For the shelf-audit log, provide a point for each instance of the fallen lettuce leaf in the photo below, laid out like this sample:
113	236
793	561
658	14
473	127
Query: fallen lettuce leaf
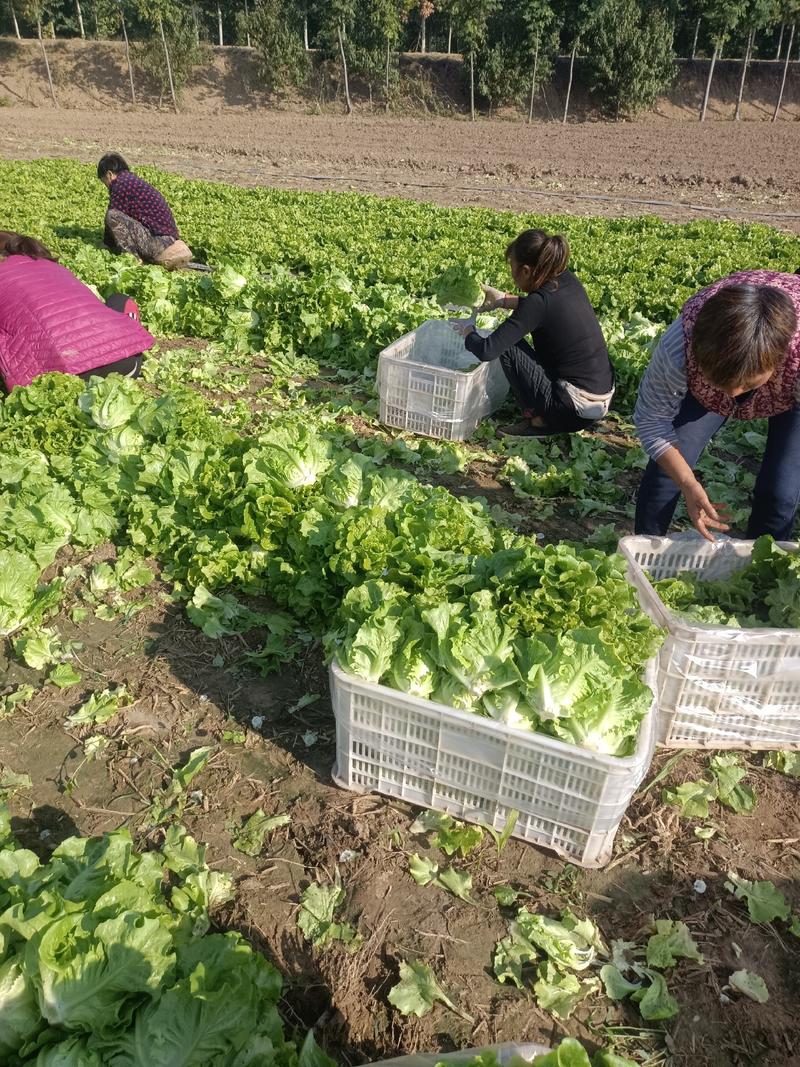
417	991
671	941
765	903
250	837
750	985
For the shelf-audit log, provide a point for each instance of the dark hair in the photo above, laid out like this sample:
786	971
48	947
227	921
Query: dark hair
111	163
741	332
546	254
15	244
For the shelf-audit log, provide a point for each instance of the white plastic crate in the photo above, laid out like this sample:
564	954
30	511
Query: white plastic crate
424	388
504	1053
718	686
568	799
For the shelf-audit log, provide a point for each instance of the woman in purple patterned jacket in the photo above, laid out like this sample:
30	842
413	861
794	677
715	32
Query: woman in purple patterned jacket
139	219
732	353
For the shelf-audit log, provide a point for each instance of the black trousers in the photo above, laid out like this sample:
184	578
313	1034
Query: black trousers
131	366
539	394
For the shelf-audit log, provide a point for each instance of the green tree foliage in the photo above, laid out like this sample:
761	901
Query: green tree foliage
629	56
169	59
282	59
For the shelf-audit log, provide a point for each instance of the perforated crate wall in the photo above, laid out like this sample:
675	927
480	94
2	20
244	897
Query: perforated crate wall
568	799
718	687
424	386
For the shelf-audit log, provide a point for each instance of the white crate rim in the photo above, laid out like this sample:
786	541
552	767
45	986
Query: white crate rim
681	627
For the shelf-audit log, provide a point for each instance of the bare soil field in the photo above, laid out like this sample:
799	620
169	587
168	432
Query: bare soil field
744	171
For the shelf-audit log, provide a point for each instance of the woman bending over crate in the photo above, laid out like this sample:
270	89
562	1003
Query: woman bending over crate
733	352
564	382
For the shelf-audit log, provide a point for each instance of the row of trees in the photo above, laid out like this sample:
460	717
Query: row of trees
626	48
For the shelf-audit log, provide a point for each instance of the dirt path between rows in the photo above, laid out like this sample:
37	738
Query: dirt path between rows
677	170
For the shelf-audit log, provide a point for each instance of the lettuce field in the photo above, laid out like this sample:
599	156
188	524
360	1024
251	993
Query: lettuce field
181	883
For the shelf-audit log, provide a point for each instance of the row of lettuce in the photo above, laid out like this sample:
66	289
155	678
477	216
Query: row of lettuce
336	277
408	584
106	958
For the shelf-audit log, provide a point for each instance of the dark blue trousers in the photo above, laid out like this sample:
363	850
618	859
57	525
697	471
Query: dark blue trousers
777	489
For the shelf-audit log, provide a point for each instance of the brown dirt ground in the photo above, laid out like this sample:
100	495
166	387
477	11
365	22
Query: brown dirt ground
182	700
745	173
665	163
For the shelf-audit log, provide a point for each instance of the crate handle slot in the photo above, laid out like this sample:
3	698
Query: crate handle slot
456	743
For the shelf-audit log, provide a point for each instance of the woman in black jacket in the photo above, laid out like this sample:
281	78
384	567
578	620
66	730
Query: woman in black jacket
564	381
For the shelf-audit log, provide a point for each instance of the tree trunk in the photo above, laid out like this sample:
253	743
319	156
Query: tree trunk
533	81
80	19
44	54
196	25
128	55
169	63
344	70
14	20
388	59
305	31
785	72
472	84
450	36
780	43
704	108
247	21
423	43
694	42
569	83
219	25
737	113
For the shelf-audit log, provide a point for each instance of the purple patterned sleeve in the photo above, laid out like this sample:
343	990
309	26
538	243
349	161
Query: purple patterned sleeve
135	197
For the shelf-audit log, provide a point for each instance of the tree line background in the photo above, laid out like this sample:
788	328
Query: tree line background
627	49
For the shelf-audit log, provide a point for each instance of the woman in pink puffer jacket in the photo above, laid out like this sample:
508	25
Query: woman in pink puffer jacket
50	321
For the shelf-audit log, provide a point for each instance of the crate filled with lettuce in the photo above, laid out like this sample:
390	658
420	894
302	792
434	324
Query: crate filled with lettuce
729	671
511	690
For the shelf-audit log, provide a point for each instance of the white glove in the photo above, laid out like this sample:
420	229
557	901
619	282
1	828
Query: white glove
492	298
463	326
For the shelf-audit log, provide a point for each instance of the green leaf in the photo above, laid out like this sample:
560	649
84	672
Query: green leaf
511	955
692	798
95	745
786	762
617	987
417	991
15	699
456	882
670	942
505	895
501	839
422	870
169	803
100	707
11	782
560	993
318	905
750	985
250	837
655	1001
794	925
64	676
568	1053
729	772
765	903
450	835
